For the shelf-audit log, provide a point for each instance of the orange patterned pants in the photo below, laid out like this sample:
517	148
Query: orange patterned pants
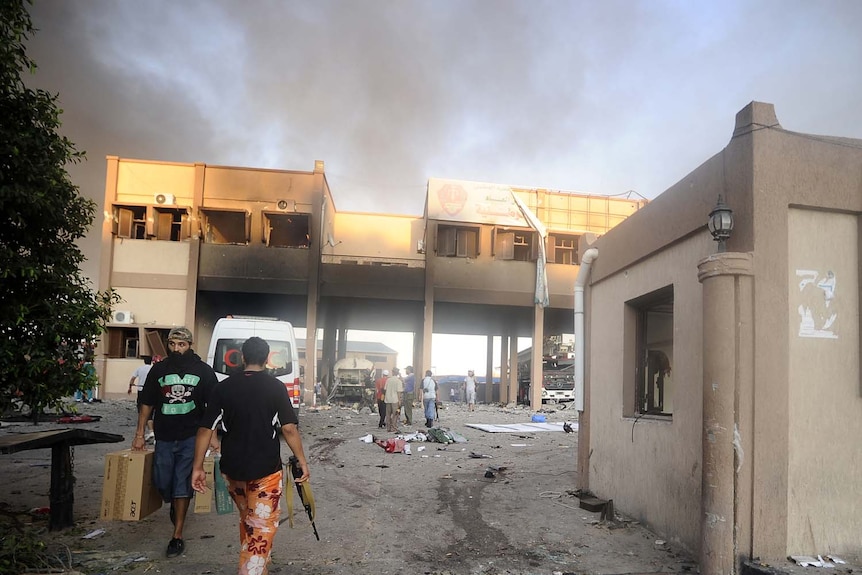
258	505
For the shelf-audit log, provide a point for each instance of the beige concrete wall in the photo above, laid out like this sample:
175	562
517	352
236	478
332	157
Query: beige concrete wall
151	256
824	396
231	185
381	236
139	181
117	375
151	278
789	170
159	307
661	456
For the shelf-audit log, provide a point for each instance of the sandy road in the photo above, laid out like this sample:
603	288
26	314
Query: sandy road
431	512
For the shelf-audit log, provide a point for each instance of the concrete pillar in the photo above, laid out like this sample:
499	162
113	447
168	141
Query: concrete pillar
341	348
536	359
428	319
513	368
329	350
489	370
419	365
728	385
505	361
311	376
106	264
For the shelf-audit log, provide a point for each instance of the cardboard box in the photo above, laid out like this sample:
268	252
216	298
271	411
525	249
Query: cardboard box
128	493
217	498
204	501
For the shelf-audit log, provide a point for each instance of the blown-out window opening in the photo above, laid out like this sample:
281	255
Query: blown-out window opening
286	230
651	334
225	226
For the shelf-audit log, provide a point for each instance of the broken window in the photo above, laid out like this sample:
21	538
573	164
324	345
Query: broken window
563	249
156	342
518	245
172	224
457	241
130	222
123	342
653	335
286	230
225	226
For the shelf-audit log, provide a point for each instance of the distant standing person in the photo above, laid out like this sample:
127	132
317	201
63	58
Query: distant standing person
380	393
176	392
251	408
470	390
393	394
139	377
428	393
409	395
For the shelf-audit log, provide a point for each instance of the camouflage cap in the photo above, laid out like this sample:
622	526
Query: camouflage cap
181	334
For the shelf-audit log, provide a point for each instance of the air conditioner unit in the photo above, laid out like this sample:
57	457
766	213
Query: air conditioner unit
168	199
121	317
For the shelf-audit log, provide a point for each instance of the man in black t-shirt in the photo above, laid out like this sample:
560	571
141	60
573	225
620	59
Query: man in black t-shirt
250	408
176	391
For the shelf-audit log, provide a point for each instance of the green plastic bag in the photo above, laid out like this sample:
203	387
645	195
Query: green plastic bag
224	502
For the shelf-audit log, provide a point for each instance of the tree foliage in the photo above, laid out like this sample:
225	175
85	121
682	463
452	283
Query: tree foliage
49	315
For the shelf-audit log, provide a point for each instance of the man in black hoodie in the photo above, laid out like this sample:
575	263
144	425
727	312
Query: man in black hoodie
176	393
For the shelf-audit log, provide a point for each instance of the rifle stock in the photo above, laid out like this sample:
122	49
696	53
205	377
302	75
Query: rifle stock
296	471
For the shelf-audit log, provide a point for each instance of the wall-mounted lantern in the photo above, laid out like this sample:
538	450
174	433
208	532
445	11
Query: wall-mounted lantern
721	224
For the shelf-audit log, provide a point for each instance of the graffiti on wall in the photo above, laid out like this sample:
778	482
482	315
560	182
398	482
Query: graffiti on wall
817	310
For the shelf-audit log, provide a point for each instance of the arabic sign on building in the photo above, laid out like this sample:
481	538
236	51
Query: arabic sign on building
476	202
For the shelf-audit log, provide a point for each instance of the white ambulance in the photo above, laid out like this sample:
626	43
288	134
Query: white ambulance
225	352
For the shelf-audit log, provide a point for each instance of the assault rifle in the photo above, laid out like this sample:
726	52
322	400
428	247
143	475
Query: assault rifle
304	490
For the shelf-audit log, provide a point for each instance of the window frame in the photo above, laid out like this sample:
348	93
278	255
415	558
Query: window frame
515	244
269	218
172	223
454	241
207	214
649	328
130	221
556	246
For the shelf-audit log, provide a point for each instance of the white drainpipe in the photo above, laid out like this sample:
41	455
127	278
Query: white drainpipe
589	255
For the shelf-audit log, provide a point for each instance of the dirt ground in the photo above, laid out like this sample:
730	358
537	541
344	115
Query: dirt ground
433	512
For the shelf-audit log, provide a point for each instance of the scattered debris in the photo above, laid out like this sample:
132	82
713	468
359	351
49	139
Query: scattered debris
808	561
79	418
522	427
392	445
94	534
440	435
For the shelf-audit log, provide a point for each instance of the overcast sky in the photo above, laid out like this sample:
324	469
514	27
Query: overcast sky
596	97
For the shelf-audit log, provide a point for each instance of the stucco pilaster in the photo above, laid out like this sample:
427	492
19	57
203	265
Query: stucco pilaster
727	280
